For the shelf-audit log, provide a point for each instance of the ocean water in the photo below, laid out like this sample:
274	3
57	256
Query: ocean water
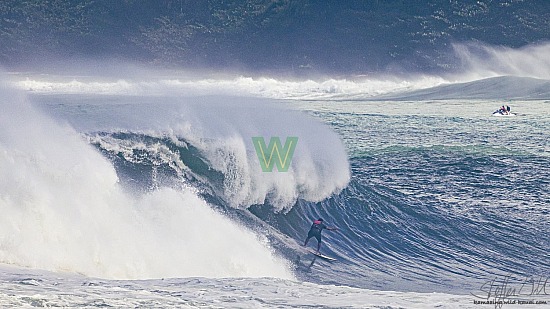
148	193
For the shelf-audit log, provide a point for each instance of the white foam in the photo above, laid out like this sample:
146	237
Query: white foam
63	210
24	289
328	88
222	128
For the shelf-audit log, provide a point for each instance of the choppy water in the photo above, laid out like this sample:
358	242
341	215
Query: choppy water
443	194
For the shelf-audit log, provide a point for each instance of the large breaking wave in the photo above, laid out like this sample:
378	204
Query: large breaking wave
63	209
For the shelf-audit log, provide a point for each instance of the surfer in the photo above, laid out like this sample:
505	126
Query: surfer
315	231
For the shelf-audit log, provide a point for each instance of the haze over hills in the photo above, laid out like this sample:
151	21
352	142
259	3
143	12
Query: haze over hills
304	36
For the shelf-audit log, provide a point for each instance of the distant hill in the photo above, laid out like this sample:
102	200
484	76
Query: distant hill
329	36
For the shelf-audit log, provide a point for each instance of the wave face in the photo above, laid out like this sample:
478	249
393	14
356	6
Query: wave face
443	211
435	202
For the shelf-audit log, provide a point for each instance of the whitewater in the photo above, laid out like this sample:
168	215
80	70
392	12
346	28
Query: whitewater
146	191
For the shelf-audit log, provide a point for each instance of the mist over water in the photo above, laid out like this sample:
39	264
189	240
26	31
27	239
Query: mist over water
482	60
479	62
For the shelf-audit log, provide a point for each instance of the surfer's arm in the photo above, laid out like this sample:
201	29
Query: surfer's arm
332	228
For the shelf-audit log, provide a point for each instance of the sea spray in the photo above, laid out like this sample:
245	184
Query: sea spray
220	128
63	210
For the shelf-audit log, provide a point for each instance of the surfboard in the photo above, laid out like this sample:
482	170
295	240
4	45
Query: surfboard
328	258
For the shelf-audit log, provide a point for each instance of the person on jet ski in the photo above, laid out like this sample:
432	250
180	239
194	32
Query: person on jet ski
502	110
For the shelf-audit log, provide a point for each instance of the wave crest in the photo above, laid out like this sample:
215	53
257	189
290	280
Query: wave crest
210	138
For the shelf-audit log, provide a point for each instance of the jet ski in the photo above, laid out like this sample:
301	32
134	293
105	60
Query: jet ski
500	112
503	111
